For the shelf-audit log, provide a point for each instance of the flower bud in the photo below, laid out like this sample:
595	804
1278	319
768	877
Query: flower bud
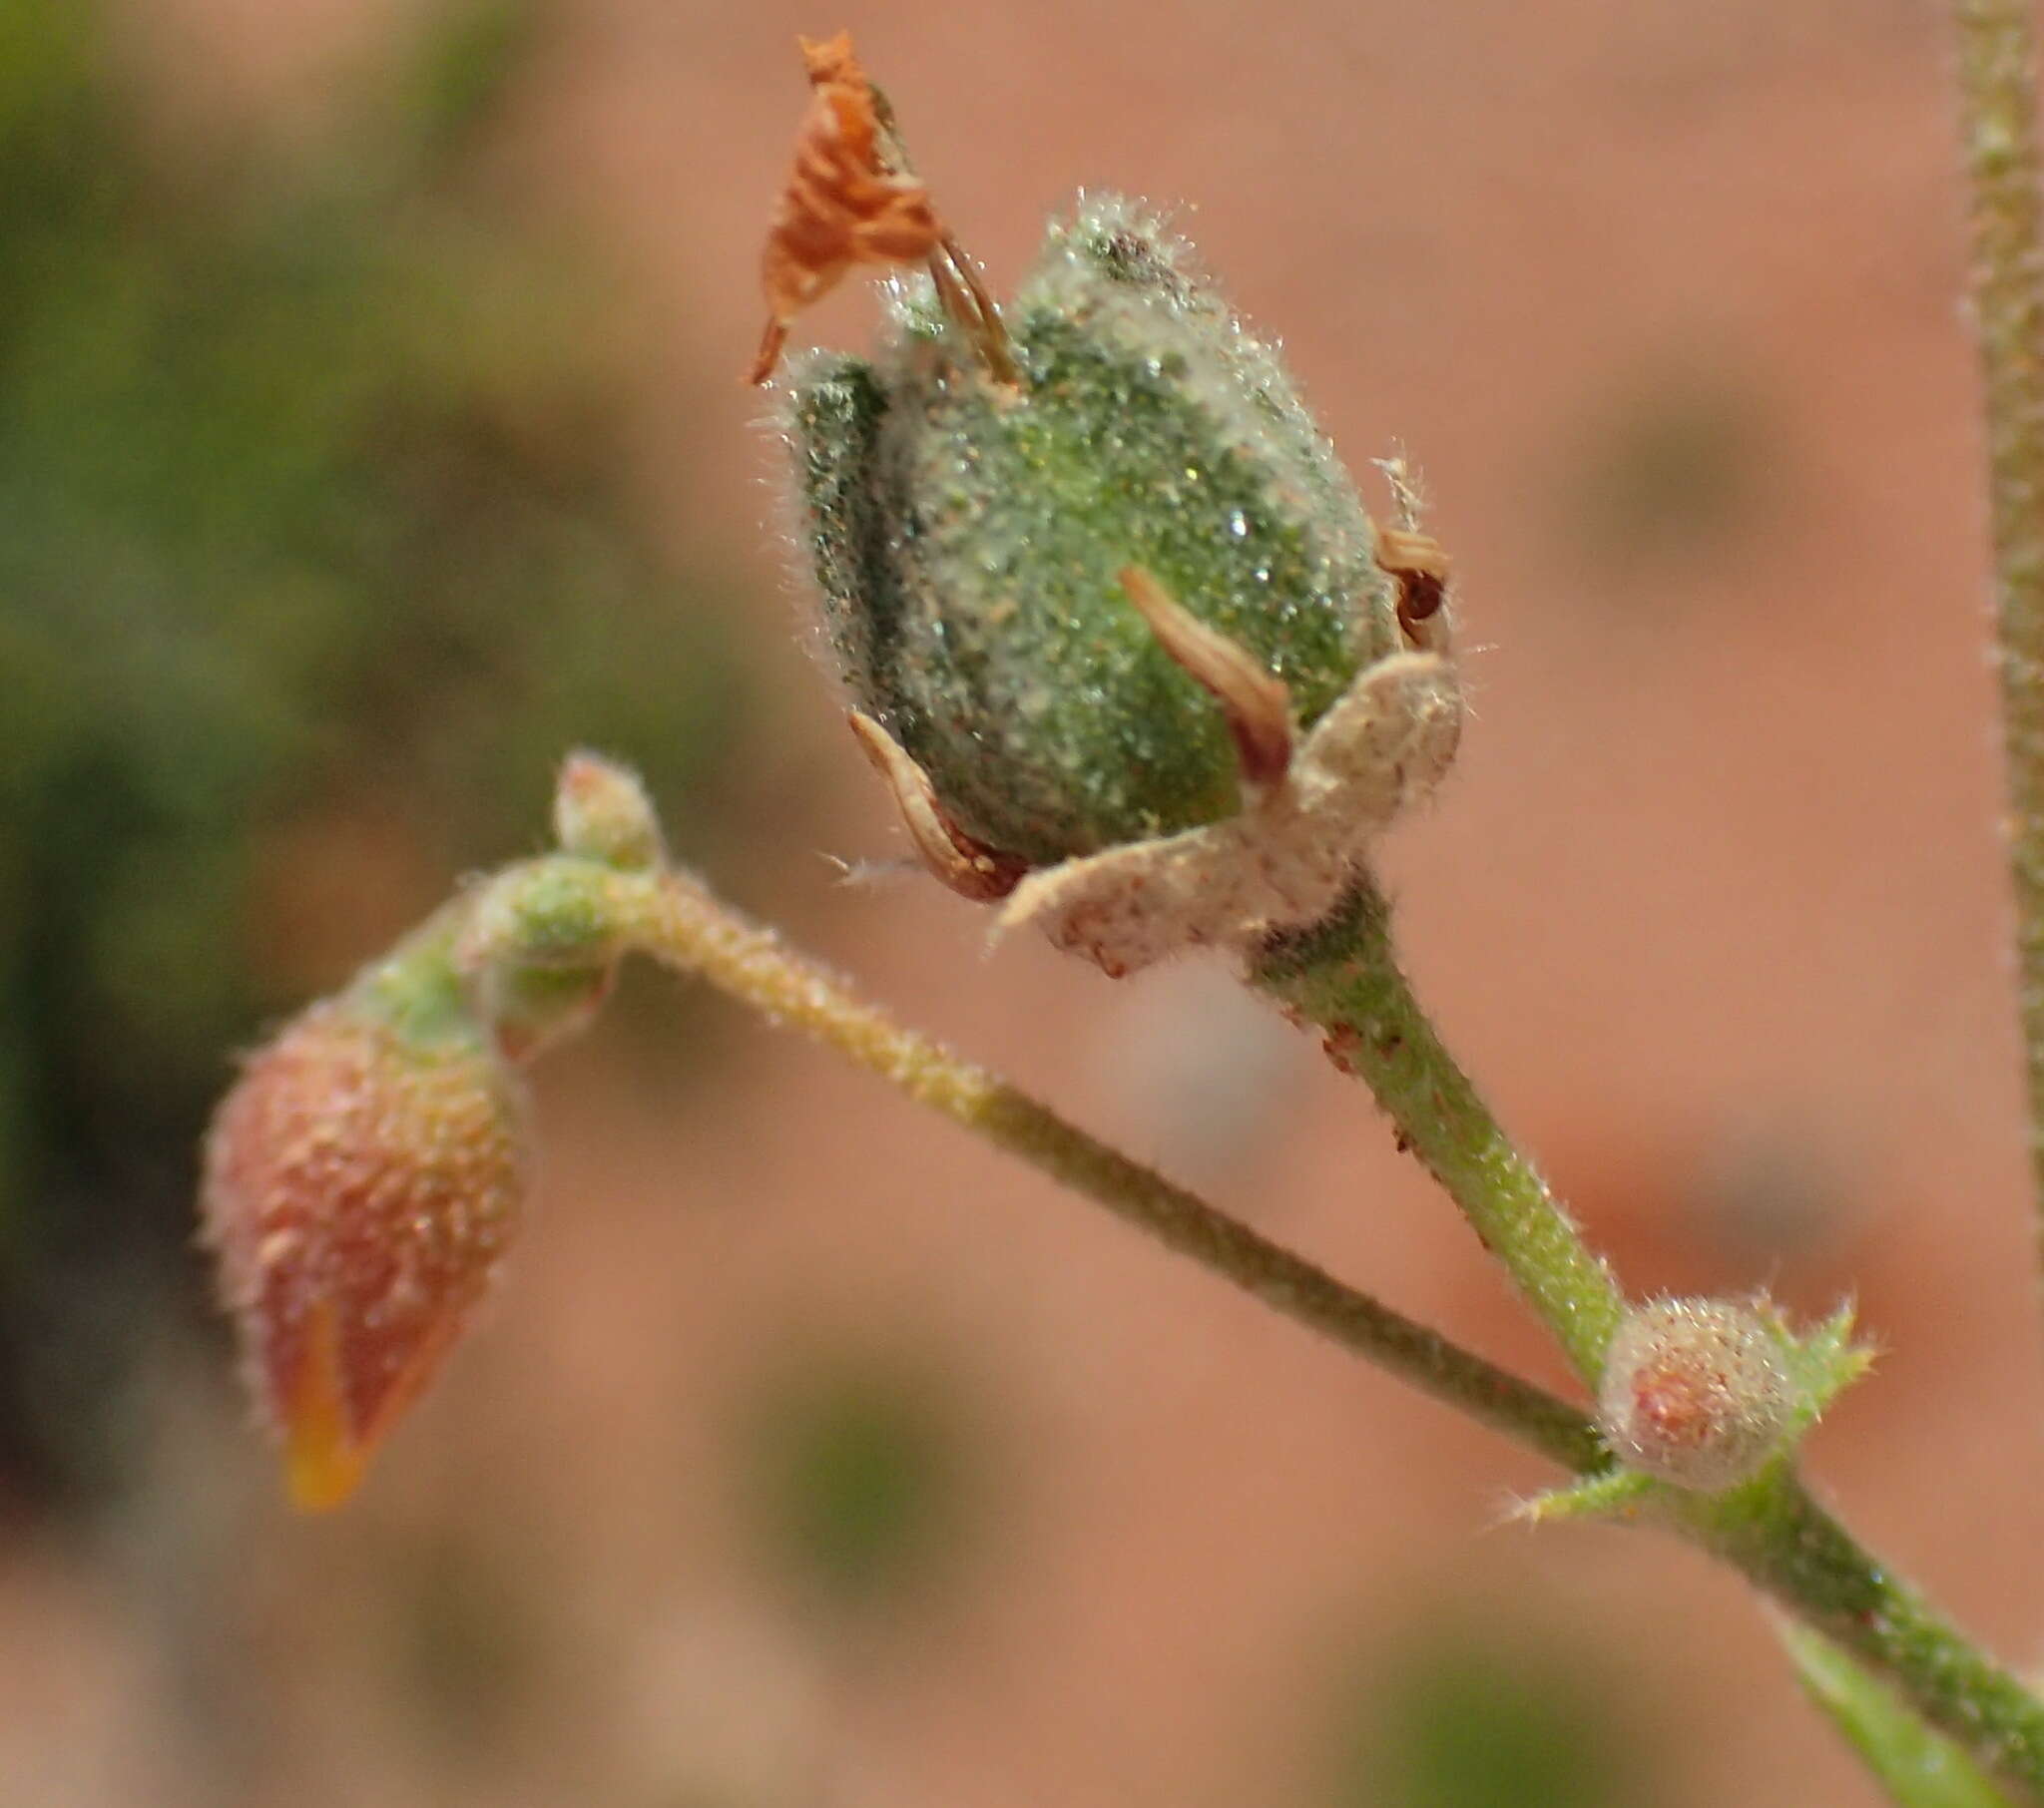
558	911
1094	592
970	539
541	948
1696	1392
362	1178
602	812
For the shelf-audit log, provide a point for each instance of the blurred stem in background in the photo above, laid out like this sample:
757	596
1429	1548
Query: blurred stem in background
312	478
1999	120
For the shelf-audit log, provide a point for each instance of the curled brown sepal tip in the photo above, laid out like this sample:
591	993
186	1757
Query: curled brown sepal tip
1416	564
1256	704
967	867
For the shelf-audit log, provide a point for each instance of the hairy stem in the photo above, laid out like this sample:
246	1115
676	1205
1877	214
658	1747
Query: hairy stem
1340	976
1918	1766
1772	1531
1998	122
1789	1547
676	921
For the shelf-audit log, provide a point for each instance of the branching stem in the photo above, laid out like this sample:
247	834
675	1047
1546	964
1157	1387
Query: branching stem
1773	1530
1786	1545
1342	976
675	920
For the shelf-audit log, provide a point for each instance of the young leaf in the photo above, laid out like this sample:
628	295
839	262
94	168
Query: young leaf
1918	1769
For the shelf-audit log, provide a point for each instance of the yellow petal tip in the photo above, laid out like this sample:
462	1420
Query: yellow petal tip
323	1461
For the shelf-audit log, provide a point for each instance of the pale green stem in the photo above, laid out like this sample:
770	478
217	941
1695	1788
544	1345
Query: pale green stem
1921	1768
1773	1530
1340	976
1783	1542
1999	108
676	921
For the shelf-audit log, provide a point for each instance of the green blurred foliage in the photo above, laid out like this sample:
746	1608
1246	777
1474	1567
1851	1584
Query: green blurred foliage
861	1470
312	489
1484	1717
1671	470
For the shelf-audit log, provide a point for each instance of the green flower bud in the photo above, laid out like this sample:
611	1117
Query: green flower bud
1096	605
541	947
602	812
558	911
1696	1392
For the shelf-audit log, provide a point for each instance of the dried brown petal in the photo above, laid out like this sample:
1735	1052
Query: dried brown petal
842	205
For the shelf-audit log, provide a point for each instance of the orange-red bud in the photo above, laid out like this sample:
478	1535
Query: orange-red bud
363	1180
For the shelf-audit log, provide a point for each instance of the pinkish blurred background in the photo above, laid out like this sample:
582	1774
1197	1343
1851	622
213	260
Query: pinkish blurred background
812	1456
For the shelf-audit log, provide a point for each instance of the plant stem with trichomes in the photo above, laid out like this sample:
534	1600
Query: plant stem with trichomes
1772	1531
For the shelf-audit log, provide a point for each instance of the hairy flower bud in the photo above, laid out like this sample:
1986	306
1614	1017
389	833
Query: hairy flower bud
602	812
1110	592
541	948
1696	1392
362	1178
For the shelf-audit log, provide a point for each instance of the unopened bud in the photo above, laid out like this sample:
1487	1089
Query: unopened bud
541	947
363	1180
1103	592
602	812
970	541
1696	1392
558	911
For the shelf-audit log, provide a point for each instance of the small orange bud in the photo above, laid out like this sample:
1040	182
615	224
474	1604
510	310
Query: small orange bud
361	1183
1696	1392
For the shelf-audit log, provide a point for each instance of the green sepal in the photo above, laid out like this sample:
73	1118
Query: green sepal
541	946
1616	1493
531	1007
420	988
556	911
1823	1363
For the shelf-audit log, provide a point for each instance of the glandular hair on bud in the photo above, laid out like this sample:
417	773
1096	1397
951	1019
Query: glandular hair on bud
363	1180
970	535
1696	1392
